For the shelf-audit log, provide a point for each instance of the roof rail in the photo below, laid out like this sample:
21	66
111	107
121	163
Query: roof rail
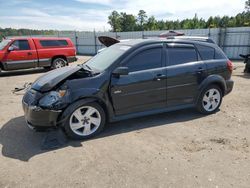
195	38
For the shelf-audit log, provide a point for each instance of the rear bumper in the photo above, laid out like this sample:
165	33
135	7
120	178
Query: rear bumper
38	117
229	86
71	59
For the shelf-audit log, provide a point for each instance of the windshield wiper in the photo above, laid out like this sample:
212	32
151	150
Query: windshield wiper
86	67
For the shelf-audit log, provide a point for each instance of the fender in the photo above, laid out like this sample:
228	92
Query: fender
91	95
212	79
3	65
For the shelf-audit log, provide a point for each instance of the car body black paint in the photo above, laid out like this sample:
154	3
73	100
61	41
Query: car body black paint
139	93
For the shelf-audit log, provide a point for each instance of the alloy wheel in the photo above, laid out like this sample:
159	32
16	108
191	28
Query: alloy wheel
59	63
211	99
85	120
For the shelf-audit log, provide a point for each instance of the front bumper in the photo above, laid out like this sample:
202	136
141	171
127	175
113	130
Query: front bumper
38	117
229	85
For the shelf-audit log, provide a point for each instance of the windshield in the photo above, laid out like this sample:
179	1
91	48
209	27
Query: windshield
4	43
106	57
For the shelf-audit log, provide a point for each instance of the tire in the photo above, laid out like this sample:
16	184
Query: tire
83	120
209	100
58	63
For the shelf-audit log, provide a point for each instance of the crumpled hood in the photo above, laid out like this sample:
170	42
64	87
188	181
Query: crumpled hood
49	80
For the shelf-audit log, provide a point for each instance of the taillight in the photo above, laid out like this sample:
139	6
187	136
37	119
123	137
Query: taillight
230	66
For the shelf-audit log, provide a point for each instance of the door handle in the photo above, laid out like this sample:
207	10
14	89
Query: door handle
159	77
200	70
29	53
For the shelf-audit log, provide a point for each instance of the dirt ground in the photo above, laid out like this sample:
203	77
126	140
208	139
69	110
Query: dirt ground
177	149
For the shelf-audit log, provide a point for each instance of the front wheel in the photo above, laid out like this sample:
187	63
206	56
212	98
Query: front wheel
210	100
84	120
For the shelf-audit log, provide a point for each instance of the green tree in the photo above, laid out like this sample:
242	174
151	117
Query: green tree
247	5
151	24
114	21
142	18
127	22
161	25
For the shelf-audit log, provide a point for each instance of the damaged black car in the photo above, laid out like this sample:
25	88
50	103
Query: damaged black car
127	80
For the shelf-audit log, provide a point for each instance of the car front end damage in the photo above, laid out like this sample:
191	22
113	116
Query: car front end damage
46	99
43	109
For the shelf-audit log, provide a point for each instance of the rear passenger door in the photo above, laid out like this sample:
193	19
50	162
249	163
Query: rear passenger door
184	72
144	88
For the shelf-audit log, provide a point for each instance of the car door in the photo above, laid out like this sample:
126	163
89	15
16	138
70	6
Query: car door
21	56
144	88
185	71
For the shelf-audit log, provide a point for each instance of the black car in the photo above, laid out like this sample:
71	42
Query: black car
127	80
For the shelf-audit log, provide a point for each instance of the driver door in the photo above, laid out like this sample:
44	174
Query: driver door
144	88
22	56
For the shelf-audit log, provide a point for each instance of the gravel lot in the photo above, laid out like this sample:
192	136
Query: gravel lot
177	149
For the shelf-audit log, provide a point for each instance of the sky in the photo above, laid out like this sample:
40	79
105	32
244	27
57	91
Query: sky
87	15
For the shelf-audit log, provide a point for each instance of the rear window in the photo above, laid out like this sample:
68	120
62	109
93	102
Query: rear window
53	43
206	52
181	55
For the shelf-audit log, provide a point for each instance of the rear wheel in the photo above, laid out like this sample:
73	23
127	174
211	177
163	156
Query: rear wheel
58	63
84	120
210	100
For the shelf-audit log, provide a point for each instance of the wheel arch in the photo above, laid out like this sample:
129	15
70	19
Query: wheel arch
1	65
212	80
59	56
84	100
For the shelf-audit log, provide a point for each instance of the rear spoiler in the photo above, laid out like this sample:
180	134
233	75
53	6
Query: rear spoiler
107	41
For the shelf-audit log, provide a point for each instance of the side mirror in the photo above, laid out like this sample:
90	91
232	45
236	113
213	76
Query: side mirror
121	71
12	48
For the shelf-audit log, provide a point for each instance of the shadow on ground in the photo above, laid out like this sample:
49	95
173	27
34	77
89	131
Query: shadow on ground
19	142
244	75
22	72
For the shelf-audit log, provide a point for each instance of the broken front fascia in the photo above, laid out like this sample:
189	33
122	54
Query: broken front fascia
56	99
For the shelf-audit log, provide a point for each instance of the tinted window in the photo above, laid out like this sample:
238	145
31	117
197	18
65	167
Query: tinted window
148	59
181	55
53	43
206	52
21	44
219	54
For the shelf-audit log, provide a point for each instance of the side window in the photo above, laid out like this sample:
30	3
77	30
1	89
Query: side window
21	44
148	59
53	43
219	54
181	55
206	52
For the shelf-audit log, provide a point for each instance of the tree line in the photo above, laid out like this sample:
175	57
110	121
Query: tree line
128	22
20	32
122	21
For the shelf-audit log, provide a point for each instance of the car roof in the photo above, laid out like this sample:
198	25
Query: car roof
38	38
187	40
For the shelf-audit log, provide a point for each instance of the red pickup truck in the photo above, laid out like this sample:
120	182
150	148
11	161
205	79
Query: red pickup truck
24	53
